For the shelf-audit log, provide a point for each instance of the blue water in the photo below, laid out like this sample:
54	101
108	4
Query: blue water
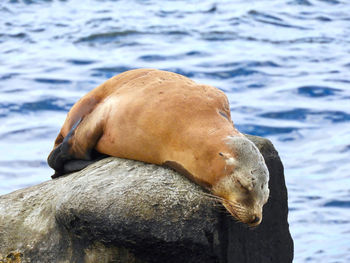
285	66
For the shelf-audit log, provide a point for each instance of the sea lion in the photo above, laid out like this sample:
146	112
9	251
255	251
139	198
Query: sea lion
167	119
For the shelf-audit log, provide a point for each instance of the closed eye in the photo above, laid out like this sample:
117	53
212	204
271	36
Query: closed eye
242	186
223	114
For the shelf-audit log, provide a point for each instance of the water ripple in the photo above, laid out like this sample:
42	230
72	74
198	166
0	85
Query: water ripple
49	104
227	74
261	130
273	20
300	2
317	91
108	72
107	37
80	61
156	57
338	203
52	81
308	115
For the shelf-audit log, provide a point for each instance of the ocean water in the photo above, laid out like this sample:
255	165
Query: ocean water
285	66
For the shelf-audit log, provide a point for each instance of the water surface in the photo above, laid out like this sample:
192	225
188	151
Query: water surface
284	65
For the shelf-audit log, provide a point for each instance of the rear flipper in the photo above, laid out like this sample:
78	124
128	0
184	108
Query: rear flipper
60	155
75	152
71	166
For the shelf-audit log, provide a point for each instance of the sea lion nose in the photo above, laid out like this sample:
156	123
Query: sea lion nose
255	220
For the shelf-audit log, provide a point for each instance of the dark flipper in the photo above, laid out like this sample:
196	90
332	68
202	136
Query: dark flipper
74	165
56	161
60	154
76	150
62	159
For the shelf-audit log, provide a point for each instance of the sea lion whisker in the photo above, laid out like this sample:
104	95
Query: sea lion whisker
214	196
210	196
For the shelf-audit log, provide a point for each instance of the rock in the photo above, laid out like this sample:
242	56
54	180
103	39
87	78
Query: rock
120	210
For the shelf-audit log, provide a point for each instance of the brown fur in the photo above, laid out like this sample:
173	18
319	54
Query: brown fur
157	117
128	116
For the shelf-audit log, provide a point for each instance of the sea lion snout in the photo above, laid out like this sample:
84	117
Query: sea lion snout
247	214
255	220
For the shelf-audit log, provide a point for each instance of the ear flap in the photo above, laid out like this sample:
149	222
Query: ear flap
228	158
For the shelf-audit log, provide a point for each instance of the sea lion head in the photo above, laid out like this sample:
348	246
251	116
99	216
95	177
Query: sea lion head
244	191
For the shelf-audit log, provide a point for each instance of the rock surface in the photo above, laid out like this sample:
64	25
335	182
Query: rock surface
120	210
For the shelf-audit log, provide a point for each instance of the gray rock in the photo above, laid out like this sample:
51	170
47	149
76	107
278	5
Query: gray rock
120	210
